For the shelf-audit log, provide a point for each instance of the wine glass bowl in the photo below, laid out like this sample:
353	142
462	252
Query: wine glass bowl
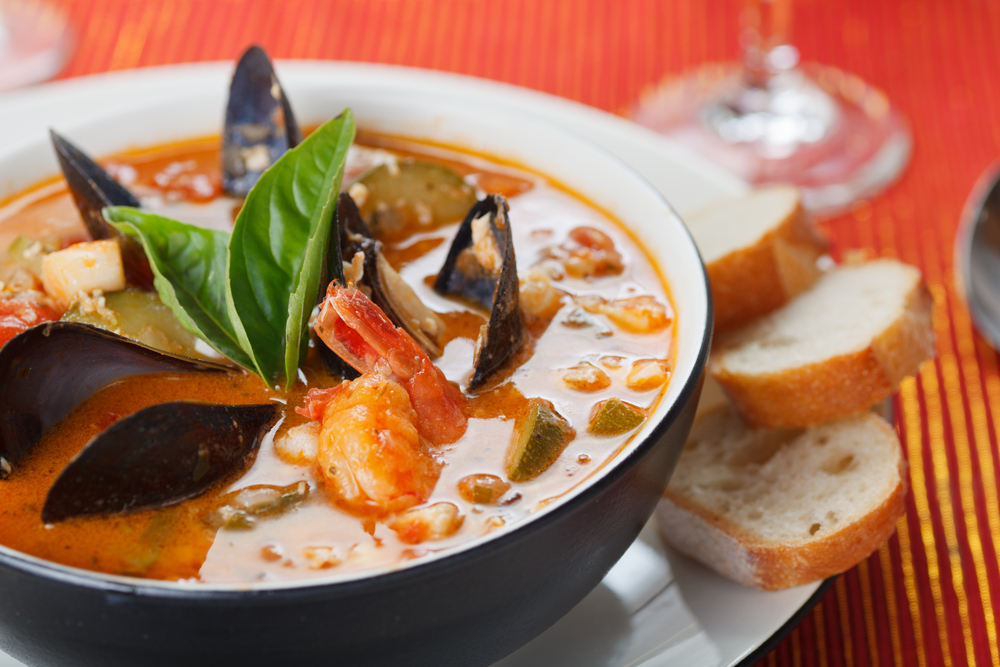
771	120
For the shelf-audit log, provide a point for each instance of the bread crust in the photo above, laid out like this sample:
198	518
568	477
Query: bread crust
738	555
753	281
839	385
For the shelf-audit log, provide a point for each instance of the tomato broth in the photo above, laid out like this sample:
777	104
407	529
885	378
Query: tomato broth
315	536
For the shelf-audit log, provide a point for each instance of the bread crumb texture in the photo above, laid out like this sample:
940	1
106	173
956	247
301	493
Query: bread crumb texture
838	348
775	508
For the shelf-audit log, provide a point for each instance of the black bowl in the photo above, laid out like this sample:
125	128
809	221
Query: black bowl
470	608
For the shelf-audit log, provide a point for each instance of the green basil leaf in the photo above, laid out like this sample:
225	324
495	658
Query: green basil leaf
278	248
189	271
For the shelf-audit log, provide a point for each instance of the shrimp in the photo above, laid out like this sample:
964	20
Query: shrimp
360	333
370	451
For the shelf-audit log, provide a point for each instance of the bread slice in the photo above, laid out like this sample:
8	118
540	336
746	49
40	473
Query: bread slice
837	348
760	251
779	508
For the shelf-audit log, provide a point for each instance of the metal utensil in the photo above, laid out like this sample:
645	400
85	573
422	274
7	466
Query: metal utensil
977	254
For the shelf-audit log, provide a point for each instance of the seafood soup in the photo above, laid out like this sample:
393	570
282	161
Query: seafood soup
484	341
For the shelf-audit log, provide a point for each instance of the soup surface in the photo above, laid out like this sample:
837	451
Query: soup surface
576	355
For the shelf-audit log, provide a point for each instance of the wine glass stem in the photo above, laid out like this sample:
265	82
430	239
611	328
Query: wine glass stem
766	29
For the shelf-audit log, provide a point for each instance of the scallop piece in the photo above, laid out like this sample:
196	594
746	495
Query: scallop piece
92	190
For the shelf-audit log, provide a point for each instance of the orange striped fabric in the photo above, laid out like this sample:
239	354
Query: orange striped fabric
926	597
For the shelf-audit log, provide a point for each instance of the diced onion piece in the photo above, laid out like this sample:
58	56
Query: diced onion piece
648	374
615	417
84	267
299	444
421	524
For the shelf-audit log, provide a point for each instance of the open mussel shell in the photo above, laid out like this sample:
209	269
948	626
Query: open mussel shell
93	189
157	457
465	276
388	291
50	369
334	271
260	126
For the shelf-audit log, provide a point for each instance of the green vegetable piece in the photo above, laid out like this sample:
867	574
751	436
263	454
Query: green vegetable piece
414	195
189	273
241	509
539	439
237	520
279	245
615	417
141	316
27	253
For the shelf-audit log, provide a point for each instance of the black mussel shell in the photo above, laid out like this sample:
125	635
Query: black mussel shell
157	457
355	236
93	189
498	291
260	126
50	369
334	271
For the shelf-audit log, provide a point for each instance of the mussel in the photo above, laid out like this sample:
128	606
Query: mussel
92	190
260	125
481	268
389	292
50	369
157	457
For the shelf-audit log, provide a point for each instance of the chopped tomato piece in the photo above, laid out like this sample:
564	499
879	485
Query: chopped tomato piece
18	314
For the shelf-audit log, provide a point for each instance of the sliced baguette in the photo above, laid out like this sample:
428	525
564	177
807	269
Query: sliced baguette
780	508
759	250
836	349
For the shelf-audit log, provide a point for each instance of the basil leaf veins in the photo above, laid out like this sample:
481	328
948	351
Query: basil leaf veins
278	248
189	273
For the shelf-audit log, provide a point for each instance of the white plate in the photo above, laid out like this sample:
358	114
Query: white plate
642	613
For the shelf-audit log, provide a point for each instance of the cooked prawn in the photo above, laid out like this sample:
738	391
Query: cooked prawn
370	451
360	333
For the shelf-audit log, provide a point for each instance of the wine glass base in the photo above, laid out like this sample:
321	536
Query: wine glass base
35	42
861	146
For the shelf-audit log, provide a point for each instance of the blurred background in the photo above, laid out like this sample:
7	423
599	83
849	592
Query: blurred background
925	598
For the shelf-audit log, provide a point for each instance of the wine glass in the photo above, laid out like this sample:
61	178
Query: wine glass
771	120
35	42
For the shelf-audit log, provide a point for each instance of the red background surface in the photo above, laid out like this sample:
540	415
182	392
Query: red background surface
926	597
